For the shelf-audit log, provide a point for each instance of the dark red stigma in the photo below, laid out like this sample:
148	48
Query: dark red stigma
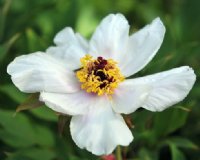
101	63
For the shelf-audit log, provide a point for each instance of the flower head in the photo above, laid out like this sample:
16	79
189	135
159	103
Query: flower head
87	79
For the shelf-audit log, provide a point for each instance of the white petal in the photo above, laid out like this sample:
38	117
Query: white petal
129	96
82	42
142	47
168	88
71	104
110	37
71	55
68	37
100	130
39	72
70	48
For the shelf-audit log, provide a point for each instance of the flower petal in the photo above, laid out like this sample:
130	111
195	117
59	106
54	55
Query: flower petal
71	104
129	96
68	37
110	37
39	72
142	47
100	130
70	54
70	48
168	88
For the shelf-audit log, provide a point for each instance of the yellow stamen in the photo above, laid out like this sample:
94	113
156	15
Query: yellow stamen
99	76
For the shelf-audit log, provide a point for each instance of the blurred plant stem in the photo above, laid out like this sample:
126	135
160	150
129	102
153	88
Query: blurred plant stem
118	153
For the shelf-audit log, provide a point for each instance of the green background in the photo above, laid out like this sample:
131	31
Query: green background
29	25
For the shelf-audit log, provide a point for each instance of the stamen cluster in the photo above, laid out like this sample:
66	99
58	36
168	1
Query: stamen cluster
99	75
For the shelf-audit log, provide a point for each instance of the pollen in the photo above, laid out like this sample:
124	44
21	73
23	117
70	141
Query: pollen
99	75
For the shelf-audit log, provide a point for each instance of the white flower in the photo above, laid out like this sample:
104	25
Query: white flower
87	80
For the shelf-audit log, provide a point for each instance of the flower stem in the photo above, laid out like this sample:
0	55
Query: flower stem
118	153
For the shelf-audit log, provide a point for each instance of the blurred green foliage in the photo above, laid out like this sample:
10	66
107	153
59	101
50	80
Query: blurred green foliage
30	25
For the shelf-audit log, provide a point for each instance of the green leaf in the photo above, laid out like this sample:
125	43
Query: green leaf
176	153
3	15
145	154
32	154
31	102
43	136
4	49
44	113
18	131
169	120
182	142
34	41
13	93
